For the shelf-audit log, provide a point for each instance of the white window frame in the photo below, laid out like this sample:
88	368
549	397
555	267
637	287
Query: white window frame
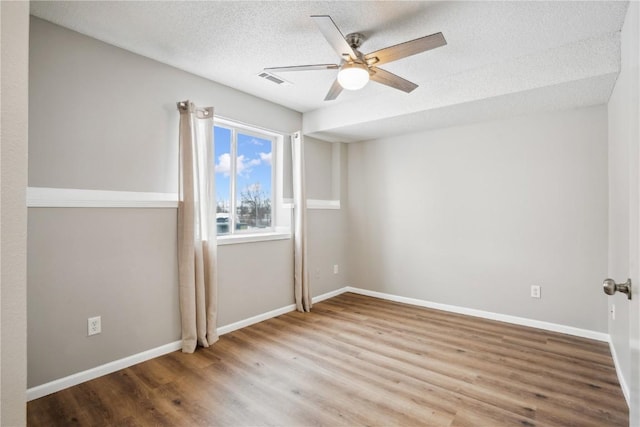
274	232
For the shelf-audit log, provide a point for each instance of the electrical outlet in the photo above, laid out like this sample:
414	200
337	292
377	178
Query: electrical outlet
535	291
335	269
613	312
94	325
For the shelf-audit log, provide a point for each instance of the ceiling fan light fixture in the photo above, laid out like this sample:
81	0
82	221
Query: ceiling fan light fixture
353	76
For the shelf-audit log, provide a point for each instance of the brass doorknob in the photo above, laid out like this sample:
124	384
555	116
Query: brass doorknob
609	286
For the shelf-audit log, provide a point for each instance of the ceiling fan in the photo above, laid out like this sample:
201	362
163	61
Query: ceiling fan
357	69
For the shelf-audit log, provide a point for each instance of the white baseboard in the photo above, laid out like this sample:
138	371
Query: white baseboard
569	330
90	374
98	371
255	319
273	313
328	295
80	377
621	380
547	326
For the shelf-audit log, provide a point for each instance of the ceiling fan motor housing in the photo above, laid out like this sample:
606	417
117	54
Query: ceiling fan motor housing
355	39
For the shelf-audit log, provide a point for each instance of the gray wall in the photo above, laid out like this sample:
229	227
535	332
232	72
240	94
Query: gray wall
326	169
119	264
623	189
104	118
474	215
254	278
319	164
14	30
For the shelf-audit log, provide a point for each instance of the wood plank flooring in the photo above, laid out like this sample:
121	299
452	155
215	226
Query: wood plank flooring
354	361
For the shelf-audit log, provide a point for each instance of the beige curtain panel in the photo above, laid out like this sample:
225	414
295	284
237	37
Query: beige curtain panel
301	267
196	228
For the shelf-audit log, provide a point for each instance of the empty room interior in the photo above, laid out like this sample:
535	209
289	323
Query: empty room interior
320	213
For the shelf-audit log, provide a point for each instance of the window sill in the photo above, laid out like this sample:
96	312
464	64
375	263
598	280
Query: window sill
251	238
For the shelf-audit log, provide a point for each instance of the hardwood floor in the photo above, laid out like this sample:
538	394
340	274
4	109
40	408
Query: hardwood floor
356	360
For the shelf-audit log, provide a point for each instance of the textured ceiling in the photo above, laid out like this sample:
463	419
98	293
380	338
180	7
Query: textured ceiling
502	58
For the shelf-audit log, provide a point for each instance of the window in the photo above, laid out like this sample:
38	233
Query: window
244	180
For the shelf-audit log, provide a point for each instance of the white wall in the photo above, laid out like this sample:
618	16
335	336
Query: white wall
624	139
474	215
14	36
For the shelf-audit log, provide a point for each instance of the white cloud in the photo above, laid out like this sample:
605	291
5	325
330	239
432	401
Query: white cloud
243	164
224	164
266	157
256	142
252	162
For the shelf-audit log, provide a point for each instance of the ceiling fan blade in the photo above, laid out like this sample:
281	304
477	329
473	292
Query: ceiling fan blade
303	68
386	78
402	50
335	90
330	31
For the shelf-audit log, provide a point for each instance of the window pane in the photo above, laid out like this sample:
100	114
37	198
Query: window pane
222	145
253	188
